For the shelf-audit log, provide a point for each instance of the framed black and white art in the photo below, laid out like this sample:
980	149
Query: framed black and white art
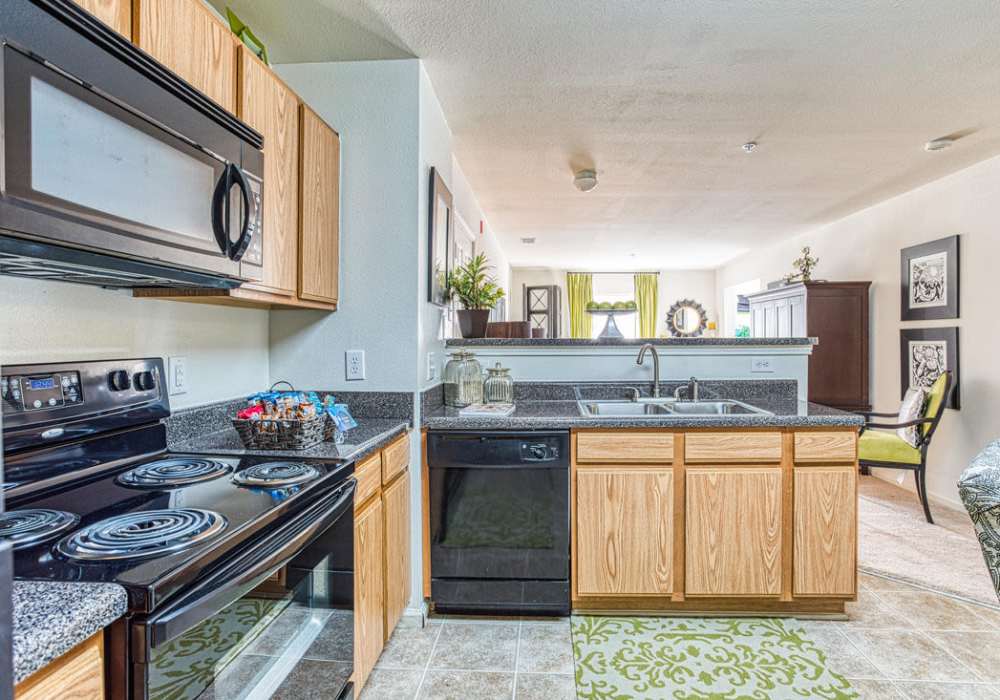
440	229
929	280
924	353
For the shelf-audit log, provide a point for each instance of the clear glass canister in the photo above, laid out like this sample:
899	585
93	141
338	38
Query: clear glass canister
463	380
499	385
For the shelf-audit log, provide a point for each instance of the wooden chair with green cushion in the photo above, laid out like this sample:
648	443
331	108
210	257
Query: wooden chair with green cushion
886	450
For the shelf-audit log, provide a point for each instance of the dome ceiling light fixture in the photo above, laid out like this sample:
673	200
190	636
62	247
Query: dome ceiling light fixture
939	144
585	180
749	146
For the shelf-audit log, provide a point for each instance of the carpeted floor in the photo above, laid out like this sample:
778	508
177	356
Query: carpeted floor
625	658
895	540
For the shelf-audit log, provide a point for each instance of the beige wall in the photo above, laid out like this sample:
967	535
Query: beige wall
866	246
673	285
226	348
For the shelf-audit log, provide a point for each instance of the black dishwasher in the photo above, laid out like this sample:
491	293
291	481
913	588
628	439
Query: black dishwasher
499	522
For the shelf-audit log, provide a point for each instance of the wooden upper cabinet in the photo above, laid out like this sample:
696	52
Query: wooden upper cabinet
733	532
117	14
319	208
270	107
624	532
188	39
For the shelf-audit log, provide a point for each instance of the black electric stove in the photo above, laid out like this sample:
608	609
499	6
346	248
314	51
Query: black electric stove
203	544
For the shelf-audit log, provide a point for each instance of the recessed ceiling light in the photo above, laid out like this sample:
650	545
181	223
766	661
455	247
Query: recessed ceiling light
528	241
939	144
585	180
749	146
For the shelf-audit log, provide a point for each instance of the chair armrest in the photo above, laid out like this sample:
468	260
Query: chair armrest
894	426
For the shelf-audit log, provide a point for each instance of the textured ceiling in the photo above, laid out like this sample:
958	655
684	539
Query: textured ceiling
659	96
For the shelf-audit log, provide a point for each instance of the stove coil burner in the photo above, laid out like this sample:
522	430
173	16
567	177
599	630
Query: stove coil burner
145	534
275	474
174	472
24	528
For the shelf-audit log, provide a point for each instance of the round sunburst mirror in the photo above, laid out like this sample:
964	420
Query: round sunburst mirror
687	319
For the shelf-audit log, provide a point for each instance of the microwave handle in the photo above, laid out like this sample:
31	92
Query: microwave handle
244	574
220	210
249	215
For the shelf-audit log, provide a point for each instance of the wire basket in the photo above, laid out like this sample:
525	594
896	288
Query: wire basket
283	433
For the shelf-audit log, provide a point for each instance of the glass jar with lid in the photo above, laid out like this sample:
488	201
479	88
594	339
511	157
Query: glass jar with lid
463	380
499	385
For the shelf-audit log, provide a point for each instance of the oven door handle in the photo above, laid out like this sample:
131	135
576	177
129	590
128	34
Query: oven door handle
242	574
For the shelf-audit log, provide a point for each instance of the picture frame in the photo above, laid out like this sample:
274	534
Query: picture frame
439	239
929	280
926	352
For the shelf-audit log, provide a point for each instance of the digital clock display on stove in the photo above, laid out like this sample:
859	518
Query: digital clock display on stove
37	384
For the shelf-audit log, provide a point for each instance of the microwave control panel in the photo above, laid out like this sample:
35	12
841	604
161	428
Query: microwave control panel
35	392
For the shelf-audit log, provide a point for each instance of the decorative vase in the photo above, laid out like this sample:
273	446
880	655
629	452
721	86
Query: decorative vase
472	322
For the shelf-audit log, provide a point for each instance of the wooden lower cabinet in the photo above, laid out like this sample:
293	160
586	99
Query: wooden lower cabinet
369	589
733	526
117	14
396	502
825	531
76	675
624	531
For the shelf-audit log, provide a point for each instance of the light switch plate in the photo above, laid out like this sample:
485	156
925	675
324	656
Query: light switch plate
355	365
177	375
761	364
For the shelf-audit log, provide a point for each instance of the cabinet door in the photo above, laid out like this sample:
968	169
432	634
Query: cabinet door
319	208
733	532
266	104
624	531
783	310
825	523
369	589
396	498
188	39
117	14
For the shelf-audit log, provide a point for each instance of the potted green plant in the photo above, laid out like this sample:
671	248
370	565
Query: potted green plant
478	293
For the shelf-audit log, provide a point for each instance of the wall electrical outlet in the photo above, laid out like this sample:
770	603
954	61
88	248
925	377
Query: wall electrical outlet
355	364
432	367
177	375
761	364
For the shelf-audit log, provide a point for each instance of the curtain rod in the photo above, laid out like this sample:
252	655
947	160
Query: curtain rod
617	272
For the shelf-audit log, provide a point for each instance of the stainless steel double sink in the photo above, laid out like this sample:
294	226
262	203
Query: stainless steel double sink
660	408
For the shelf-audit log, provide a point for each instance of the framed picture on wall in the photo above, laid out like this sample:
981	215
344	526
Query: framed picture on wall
924	353
439	243
929	280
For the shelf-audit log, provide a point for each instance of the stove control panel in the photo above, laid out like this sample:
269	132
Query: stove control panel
34	392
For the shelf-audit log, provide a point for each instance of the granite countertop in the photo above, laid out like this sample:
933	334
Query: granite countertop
52	618
552	415
626	342
370	435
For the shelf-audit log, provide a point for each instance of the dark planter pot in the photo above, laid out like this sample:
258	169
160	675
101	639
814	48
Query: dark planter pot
473	322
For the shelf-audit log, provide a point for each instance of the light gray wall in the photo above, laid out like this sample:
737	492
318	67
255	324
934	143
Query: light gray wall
866	246
374	106
226	348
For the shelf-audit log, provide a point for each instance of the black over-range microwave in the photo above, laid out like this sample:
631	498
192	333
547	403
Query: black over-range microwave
114	171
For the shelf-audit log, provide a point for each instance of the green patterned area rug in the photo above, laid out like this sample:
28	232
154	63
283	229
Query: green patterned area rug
645	658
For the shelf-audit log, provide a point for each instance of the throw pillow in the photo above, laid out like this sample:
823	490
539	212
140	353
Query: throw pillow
912	408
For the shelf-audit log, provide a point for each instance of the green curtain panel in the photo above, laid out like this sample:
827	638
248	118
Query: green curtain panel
645	298
580	289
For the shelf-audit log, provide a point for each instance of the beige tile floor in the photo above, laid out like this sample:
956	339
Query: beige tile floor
899	642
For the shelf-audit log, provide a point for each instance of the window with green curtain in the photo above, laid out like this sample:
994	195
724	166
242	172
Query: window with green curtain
645	299
580	290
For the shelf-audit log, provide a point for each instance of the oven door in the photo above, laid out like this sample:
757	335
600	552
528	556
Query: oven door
279	616
84	168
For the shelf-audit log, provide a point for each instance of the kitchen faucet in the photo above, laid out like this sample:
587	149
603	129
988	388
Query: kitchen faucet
692	390
656	366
